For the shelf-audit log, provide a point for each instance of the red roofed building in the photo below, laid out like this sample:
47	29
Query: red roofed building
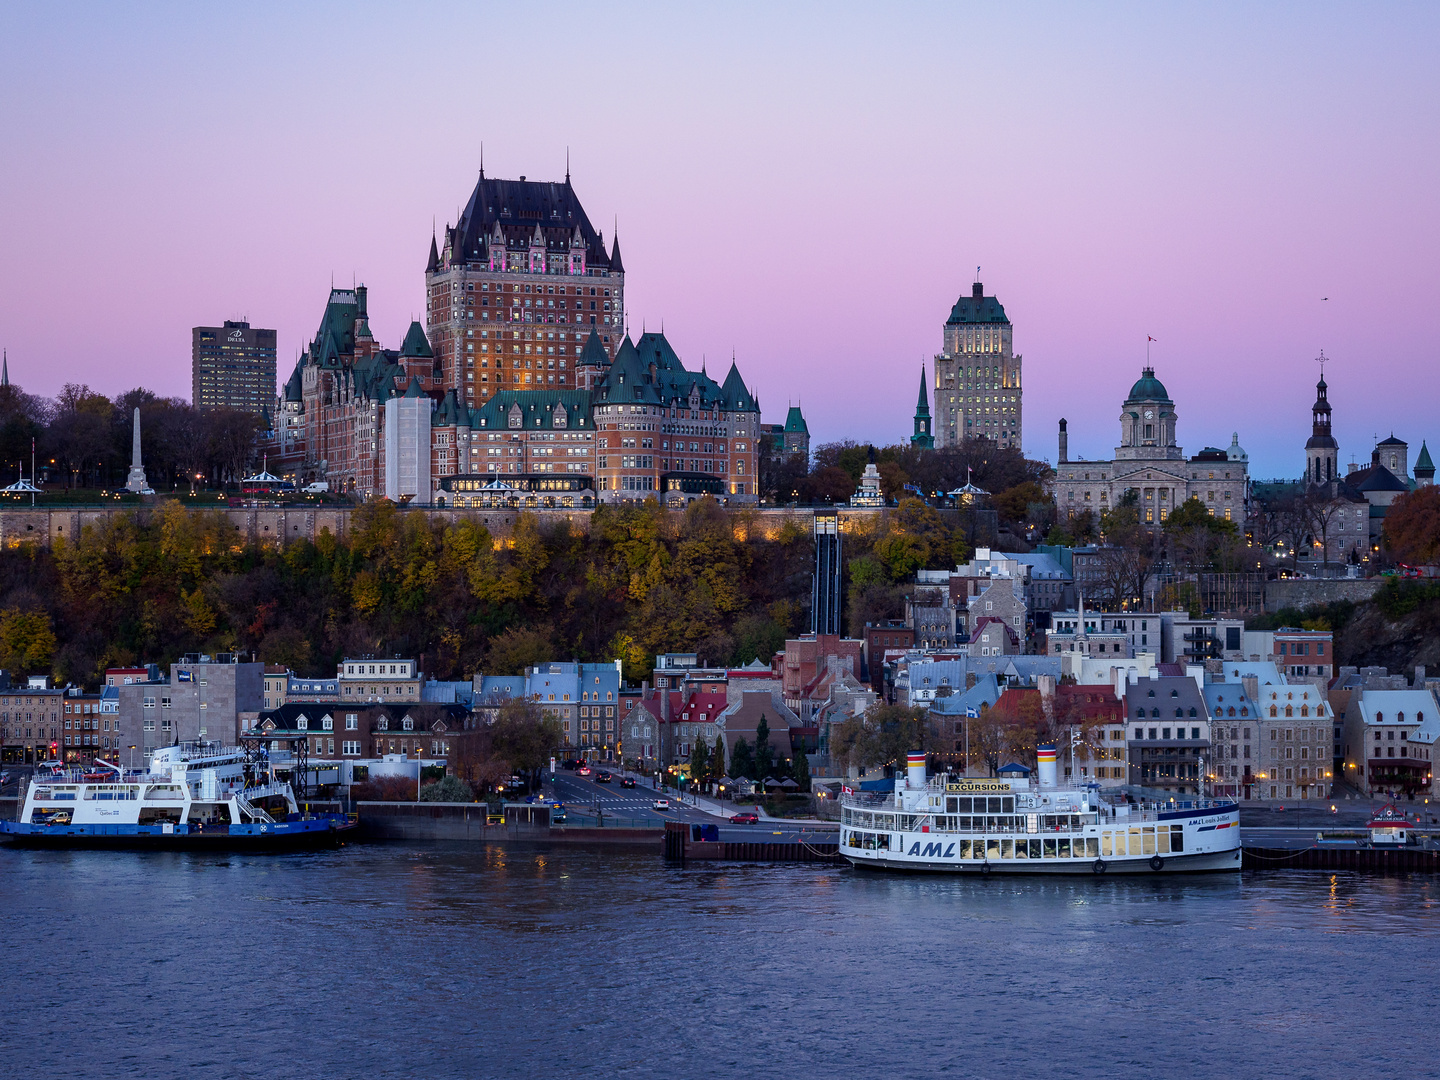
993	637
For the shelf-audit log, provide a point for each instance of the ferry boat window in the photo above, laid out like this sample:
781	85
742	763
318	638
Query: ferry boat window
1162	841
967	849
1049	848
1034	848
1007	849
1106	845
1092	848
992	849
1177	838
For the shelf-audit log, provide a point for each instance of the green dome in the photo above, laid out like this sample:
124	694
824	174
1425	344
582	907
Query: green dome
1149	388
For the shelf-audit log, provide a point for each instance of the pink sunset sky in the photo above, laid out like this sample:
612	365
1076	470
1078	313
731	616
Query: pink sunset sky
808	186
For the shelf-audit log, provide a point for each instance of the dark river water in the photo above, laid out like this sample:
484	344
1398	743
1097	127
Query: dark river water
431	962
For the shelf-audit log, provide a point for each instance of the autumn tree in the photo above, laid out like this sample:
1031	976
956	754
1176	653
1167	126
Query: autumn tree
1412	527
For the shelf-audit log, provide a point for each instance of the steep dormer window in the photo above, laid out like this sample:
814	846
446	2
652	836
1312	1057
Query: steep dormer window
407	724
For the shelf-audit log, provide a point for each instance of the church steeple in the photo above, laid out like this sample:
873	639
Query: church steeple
924	437
1322	452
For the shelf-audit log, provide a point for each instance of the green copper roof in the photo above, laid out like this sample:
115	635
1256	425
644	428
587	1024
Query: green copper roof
594	353
977	308
1423	464
535	410
415	343
795	421
1149	388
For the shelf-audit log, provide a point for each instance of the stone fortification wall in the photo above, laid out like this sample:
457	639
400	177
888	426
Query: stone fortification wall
1300	593
44	525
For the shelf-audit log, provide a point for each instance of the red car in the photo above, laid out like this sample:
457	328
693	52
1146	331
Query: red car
745	819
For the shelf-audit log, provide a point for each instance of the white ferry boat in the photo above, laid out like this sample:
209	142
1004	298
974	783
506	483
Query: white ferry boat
199	795
965	825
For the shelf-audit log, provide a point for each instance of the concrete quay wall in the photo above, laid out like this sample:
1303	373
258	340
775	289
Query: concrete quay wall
279	525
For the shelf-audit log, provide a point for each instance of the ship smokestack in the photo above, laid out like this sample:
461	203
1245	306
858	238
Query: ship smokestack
1045	758
915	770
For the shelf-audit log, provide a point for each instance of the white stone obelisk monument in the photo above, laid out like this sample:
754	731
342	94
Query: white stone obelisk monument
136	481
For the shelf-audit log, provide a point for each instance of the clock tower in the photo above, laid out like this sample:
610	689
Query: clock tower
1147	422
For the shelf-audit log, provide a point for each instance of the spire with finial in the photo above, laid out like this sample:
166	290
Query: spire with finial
567	166
5	369
482	159
923	438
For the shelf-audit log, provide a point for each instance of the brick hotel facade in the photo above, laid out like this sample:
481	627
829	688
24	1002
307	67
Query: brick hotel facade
525	391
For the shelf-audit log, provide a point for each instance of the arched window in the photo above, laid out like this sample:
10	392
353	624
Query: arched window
1379	717
1155	713
1192	710
1179	711
1400	717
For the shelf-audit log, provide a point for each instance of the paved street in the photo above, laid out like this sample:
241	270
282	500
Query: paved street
627	805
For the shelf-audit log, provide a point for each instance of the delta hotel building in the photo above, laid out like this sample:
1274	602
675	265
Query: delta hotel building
523	387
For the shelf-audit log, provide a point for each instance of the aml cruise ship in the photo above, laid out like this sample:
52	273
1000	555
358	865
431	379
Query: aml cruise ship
964	825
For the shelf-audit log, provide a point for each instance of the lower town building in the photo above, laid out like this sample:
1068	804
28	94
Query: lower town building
1381	757
31	724
1169	745
1294	735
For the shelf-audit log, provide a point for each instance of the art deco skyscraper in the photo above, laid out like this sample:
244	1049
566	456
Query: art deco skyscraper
977	377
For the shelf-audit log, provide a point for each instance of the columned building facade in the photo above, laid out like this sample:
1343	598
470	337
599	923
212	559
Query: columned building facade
1150	462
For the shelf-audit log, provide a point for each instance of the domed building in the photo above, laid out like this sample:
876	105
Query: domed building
1150	461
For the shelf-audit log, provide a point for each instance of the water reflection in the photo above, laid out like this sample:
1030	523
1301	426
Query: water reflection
463	961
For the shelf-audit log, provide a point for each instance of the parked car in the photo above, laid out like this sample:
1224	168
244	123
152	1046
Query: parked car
662	804
744	819
627	781
603	778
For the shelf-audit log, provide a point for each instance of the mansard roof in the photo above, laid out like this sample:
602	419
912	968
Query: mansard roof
519	208
539	410
977	308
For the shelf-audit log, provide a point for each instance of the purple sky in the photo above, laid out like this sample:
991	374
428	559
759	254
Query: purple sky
810	187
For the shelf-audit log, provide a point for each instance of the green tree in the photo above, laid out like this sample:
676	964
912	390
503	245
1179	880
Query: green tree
699	762
717	758
447	789
764	765
802	770
27	641
524	735
742	762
